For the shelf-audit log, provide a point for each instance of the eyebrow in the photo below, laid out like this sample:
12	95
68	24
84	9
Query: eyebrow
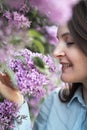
64	34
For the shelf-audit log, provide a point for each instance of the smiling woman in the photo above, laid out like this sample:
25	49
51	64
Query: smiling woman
73	60
66	107
78	30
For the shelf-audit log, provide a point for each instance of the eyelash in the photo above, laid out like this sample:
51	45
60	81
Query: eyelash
69	43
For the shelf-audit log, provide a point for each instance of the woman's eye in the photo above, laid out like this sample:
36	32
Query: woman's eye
69	43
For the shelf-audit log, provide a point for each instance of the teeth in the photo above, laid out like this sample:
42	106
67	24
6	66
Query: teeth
66	65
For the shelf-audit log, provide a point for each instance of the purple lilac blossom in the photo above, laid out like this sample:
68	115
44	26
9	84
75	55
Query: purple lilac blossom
16	19
8	113
24	8
51	34
30	80
58	11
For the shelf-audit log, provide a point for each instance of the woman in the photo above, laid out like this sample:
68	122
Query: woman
66	108
7	91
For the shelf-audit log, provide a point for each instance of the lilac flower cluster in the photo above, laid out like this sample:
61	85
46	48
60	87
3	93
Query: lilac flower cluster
17	19
30	80
51	34
58	11
8	113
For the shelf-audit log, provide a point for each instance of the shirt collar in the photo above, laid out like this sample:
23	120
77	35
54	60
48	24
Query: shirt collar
78	96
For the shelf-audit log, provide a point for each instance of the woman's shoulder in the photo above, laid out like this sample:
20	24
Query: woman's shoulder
52	110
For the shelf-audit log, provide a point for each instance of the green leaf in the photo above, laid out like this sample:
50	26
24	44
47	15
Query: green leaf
39	45
16	40
38	62
1	99
40	65
35	34
20	58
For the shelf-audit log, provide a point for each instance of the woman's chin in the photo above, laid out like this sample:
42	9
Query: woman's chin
66	79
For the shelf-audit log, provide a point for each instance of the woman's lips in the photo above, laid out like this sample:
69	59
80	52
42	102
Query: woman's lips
65	66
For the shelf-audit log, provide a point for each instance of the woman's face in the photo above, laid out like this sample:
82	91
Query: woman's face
72	59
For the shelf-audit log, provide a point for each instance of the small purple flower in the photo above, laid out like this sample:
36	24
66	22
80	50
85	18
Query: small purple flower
21	20
8	113
8	15
16	19
51	34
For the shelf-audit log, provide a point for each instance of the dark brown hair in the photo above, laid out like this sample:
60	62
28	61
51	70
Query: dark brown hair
78	25
65	94
78	29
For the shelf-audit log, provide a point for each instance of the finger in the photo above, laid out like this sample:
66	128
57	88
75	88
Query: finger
5	79
11	94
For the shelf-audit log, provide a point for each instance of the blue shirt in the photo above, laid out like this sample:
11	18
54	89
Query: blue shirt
55	115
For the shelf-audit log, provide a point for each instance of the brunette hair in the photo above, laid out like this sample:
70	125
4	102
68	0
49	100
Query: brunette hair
78	25
78	29
65	94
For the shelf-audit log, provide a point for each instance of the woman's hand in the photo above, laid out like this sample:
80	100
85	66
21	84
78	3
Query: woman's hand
8	92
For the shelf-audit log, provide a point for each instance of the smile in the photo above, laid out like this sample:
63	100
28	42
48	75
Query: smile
66	66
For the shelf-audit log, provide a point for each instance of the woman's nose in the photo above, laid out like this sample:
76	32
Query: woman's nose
59	51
